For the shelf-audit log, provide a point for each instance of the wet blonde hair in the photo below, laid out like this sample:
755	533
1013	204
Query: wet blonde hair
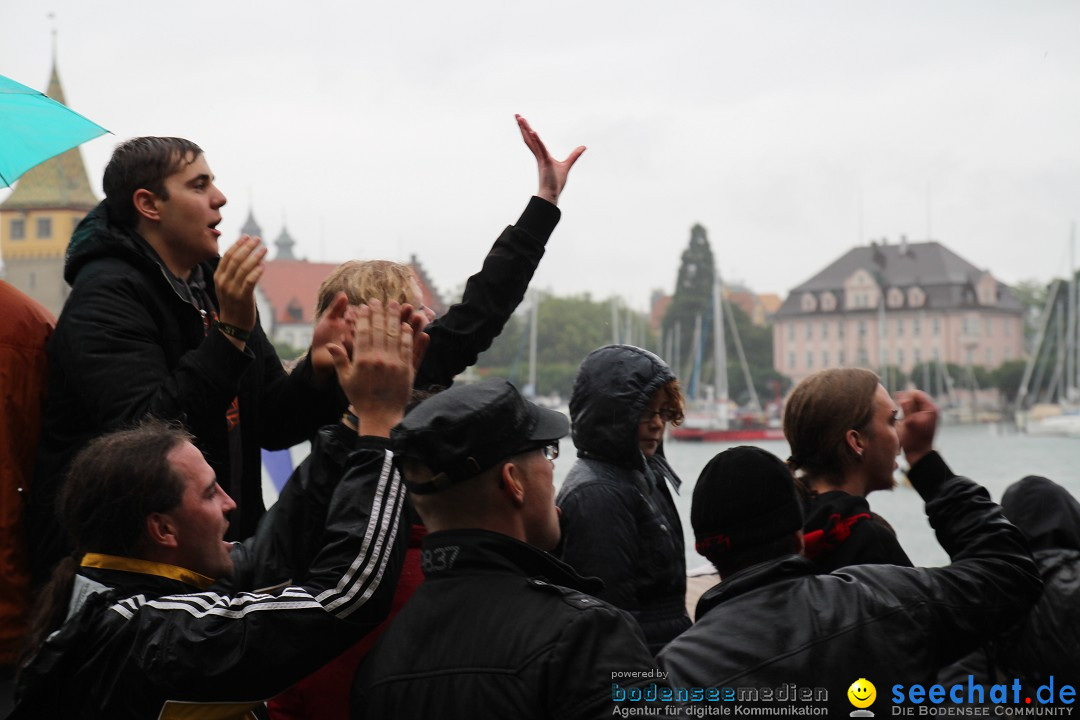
362	280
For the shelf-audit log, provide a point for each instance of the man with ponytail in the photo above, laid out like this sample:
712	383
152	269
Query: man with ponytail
155	615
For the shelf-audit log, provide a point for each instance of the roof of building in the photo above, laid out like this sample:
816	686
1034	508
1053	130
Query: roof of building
946	278
284	245
59	182
251	227
292	289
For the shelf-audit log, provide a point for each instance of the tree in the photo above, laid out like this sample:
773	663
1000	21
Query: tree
1006	378
692	298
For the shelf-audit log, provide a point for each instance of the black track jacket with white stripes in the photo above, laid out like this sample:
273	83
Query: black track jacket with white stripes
143	642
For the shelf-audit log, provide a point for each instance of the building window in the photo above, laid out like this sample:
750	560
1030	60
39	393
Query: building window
900	358
809	360
809	331
840	329
864	359
840	357
44	228
916	326
824	331
18	229
918	356
989	357
899	327
825	359
791	331
989	327
791	360
937	326
862	328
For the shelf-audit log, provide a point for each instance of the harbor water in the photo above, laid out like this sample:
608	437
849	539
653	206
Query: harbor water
989	455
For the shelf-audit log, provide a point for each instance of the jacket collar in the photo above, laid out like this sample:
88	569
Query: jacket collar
753	578
456	552
146	567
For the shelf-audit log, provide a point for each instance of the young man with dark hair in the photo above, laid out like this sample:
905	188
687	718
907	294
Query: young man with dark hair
158	326
773	620
499	628
156	615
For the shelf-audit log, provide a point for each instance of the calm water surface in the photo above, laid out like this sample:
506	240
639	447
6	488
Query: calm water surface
992	458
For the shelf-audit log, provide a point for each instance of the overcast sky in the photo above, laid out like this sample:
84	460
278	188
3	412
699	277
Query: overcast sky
791	130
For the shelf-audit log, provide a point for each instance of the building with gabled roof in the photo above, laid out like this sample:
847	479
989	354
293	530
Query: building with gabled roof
38	217
936	306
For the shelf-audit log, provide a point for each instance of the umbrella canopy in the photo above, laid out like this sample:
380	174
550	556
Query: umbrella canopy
34	128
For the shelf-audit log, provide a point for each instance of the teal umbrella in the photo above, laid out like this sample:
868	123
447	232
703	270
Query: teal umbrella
34	128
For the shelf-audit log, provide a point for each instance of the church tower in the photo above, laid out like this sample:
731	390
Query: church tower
37	219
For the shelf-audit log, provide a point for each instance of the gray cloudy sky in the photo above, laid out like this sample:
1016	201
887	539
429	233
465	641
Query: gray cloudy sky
791	130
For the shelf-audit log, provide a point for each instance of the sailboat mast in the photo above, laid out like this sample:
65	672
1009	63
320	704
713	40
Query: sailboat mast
720	350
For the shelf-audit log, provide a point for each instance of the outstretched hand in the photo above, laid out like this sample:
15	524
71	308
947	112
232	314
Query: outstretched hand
336	326
378	377
919	425
552	172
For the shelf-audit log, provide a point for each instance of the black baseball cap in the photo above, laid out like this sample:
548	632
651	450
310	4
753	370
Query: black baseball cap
461	432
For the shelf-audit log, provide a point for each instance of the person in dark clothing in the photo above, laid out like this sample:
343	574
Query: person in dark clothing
619	521
498	623
773	620
841	425
157	616
156	325
456	339
1045	643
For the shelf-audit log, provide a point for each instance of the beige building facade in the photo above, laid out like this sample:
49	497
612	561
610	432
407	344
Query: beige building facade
898	305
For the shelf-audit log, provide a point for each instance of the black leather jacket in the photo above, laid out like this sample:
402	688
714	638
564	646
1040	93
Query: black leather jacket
619	522
499	629
148	640
778	622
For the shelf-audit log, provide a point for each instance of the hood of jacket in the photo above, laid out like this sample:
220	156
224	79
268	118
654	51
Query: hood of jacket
614	385
97	236
1047	514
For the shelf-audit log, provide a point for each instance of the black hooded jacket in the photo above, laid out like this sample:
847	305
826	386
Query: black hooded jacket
1047	642
619	521
133	341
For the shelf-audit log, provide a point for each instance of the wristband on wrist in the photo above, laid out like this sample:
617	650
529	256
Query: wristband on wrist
234	332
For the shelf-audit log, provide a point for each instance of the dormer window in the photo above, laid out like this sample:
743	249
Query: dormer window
828	302
809	302
916	297
896	297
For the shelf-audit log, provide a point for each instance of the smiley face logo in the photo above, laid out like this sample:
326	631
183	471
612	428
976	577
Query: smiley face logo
862	693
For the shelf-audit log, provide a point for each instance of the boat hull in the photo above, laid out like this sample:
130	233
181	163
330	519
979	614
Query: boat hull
689	434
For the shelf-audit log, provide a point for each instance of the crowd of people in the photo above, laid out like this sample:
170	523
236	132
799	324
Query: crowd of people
418	562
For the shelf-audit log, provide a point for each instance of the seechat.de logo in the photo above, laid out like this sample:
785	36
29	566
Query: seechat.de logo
862	695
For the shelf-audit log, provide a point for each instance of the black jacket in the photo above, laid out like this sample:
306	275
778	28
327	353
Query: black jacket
132	342
619	522
499	629
778	622
1047	641
142	640
840	530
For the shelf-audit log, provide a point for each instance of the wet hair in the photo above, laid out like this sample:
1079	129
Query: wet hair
673	400
363	280
113	484
143	163
818	414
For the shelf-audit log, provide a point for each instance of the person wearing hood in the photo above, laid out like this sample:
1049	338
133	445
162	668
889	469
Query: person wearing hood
619	521
1046	642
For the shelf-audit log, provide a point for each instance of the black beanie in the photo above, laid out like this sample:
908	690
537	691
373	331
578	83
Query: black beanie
744	497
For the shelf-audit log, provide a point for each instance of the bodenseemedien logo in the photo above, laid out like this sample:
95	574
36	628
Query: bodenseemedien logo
862	695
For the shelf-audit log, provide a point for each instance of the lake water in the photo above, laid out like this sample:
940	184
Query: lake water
993	458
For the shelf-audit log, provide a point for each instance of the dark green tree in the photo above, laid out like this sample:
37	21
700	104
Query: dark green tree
1006	378
692	298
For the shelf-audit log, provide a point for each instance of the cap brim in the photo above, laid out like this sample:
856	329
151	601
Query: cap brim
550	425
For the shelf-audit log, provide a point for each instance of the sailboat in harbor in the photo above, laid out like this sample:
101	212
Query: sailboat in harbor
713	419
